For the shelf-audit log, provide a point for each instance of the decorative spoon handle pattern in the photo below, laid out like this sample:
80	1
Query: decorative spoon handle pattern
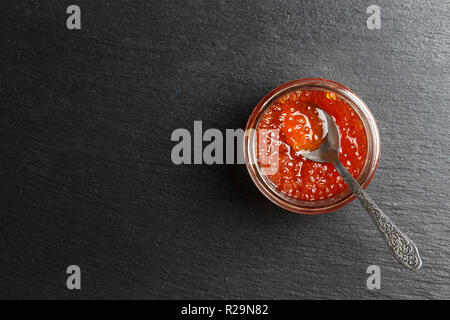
403	249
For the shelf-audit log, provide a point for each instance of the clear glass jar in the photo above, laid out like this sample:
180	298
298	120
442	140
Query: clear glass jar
269	189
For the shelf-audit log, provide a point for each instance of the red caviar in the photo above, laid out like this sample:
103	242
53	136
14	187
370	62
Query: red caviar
300	127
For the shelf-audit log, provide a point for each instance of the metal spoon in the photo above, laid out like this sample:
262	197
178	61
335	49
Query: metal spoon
403	249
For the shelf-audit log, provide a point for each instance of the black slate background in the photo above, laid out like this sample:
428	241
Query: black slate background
85	124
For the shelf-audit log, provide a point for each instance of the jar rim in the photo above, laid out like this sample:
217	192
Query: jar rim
328	204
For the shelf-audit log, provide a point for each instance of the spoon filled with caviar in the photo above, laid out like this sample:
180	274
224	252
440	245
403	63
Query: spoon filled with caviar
327	150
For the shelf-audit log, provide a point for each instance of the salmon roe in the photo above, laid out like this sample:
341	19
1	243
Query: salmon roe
299	127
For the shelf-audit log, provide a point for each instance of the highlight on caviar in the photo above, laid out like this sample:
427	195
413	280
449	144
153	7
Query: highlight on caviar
268	150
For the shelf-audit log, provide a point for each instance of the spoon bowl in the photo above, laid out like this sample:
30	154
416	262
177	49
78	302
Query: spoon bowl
329	149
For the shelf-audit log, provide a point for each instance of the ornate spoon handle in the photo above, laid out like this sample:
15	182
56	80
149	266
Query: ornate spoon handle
403	249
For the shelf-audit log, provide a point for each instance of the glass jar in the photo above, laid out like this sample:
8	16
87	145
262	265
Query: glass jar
269	189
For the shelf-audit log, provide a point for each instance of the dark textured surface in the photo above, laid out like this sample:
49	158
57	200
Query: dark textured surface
85	170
